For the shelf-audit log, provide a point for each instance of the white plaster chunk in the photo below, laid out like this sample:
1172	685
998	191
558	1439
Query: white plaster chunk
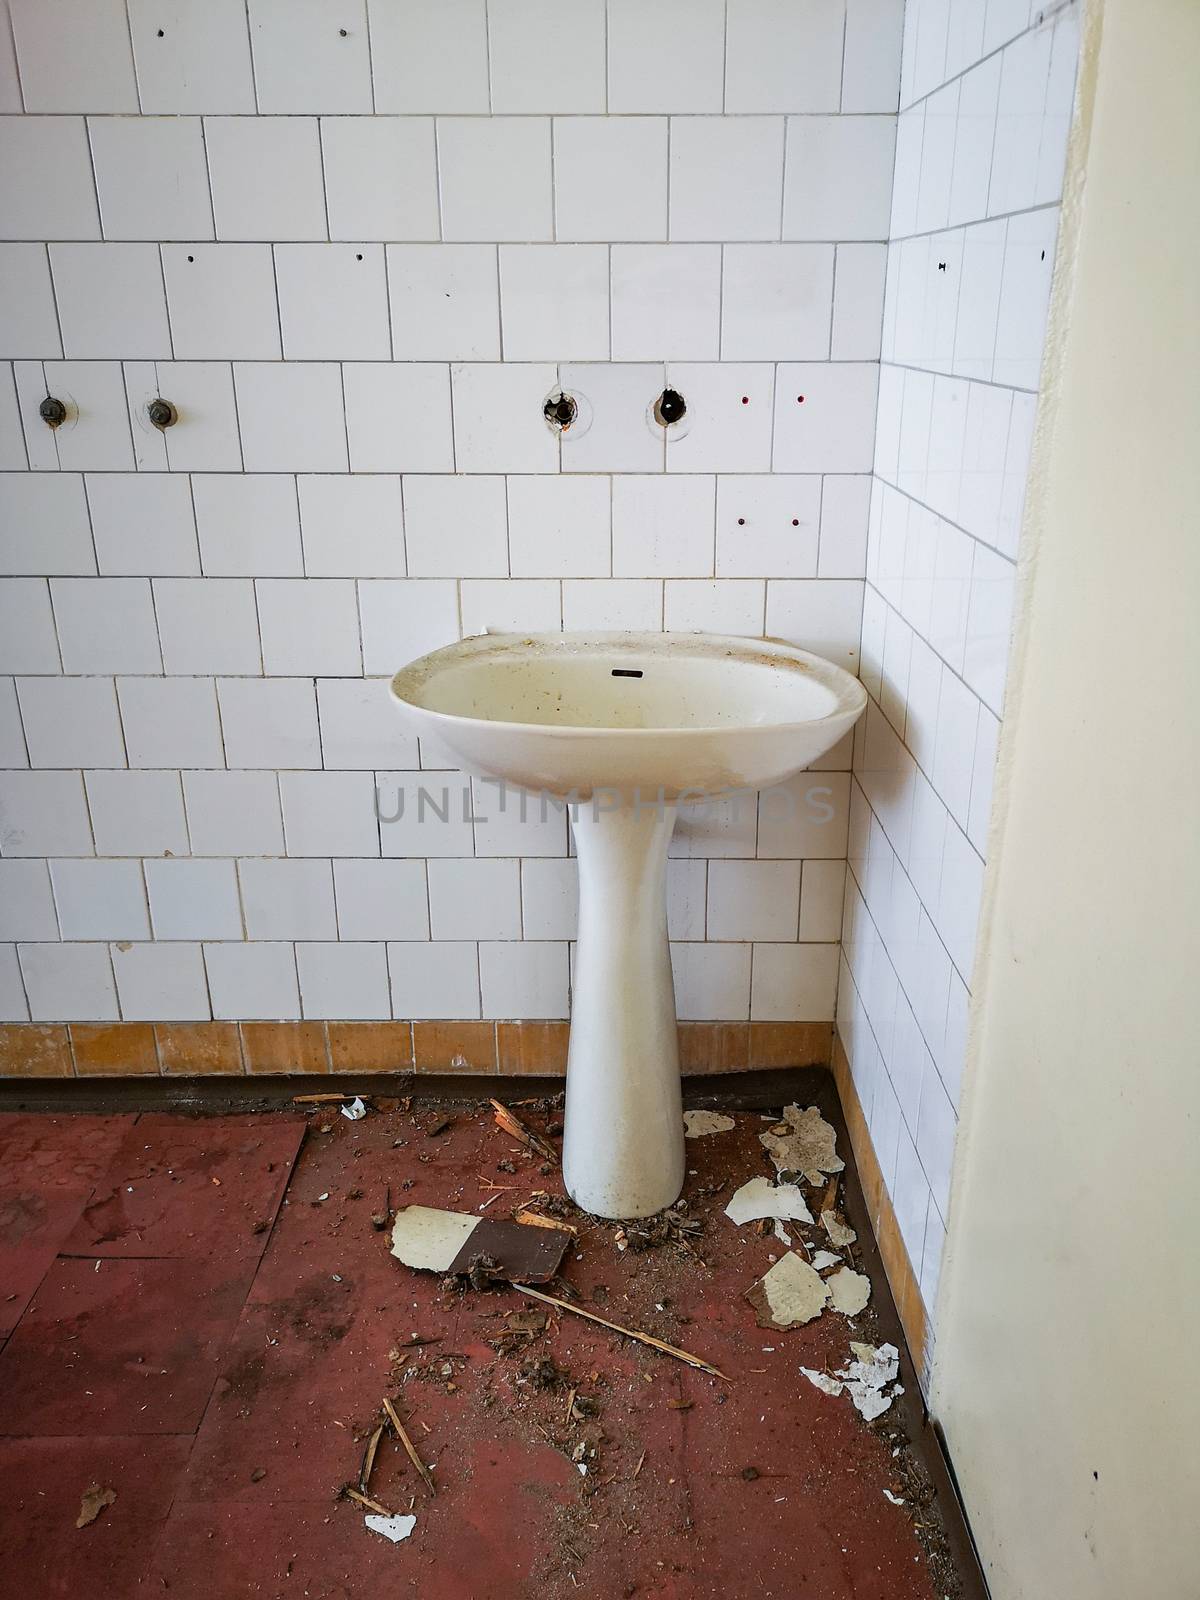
825	1258
848	1291
822	1381
803	1142
789	1294
393	1528
762	1198
781	1233
697	1124
840	1233
429	1239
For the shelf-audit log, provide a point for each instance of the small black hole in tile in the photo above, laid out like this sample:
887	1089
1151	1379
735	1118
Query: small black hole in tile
795	522
741	522
799	399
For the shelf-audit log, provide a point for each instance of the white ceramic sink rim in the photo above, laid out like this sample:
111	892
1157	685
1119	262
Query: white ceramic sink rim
848	695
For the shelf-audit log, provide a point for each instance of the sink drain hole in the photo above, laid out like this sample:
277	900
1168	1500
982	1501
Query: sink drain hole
627	672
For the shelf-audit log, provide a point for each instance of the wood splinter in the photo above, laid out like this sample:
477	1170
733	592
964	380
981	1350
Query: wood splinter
409	1447
629	1333
514	1126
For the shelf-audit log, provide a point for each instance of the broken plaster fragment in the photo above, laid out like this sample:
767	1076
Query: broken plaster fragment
840	1233
803	1142
822	1381
356	1110
826	1258
864	1379
393	1528
848	1291
696	1124
894	1498
790	1293
761	1198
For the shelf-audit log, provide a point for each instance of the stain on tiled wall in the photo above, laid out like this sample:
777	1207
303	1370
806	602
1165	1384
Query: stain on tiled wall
357	246
986	100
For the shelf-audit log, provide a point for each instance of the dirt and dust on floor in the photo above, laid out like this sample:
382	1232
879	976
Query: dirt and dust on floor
286	1354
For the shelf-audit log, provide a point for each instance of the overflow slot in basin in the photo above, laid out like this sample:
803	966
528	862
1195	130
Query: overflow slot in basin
627	672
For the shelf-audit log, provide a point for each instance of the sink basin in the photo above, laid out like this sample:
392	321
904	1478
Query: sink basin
625	728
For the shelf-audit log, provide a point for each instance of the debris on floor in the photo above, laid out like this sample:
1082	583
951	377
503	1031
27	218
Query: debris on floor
513	1125
458	1243
698	1124
356	1110
803	1142
849	1291
789	1294
865	1379
93	1503
629	1333
839	1232
393	1528
762	1198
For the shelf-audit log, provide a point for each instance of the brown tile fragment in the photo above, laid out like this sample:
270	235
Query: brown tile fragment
34	1050
199	1049
114	1049
370	1046
532	1048
714	1047
455	1046
790	1044
286	1047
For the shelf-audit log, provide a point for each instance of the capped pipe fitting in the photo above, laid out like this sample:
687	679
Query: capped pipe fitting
162	413
52	412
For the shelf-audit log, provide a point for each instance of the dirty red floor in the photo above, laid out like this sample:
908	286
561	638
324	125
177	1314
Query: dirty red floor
200	1315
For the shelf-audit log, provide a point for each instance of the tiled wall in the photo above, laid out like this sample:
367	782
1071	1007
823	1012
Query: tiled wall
986	98
357	246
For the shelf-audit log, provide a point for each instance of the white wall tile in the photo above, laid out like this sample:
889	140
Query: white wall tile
974	138
663	527
499	425
546	60
309	56
549	898
669	56
193	899
44	527
250	982
100	899
288	899
266	177
206	437
784	55
858	302
27	638
46	186
475	899
429	55
361	725
530	605
332	302
725	177
559	526
151	177
823	416
1024	298
233	813
777	300
69	982
727	427
221	299
750	900
10	100
424	813
309	627
616	432
169	722
381	899
794	983
110	300
666	301
434	980
402	620
207	625
838	176
269	723
989	627
845	506
142	523
768	525
351	526
456	527
28	318
524	978
344	980
712	981
95	436
495	178
871	64
610	178
398	417
979	300
600	604
14	1007
329	813
806	817
161	982
136	814
248	525
822	615
380	177
822	889
106	624
74	55
723	605
27	902
197	59
445	302
554	301
291	416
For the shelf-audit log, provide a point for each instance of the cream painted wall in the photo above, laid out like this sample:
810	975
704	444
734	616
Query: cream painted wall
1065	1372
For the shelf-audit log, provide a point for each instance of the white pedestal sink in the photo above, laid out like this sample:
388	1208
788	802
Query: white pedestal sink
627	728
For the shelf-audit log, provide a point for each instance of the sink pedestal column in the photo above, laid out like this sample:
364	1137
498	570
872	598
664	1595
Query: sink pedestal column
623	1140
